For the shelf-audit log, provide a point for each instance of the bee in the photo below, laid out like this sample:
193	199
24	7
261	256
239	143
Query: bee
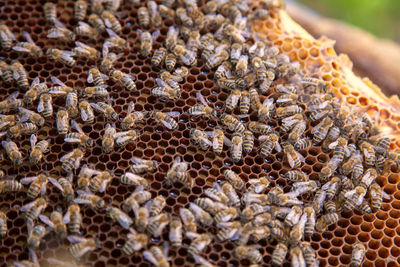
38	149
234	179
358	254
28	47
230	192
112	5
293	216
308	252
63	56
201	215
80	246
193	41
6	37
114	42
56	223
132	117
3	224
321	130
242	66
35	90
369	153
136	242
121	217
376	196
72	160
146	41
97	6
155	16
85	175
326	220
11	102
35	235
297	256
257	127
232	123
106	109
250	253
133	179
188	219
296	176
80	9
202	261
381	144
138	197
62	122
158	56
226	215
157	224
50	12
368	178
25	128
124	79
216	194
19	74
170	61
97	22
269	142
142	217
10	186
33	209
96	77
353	165
289	122
166	11
199	242
96	91
60	32
100	182
111	21
86	111
295	159
175	232
186	56
157	256
144	17
332	187
303	144
218	139
61	88
311	220
233	100
65	186
5	72
12	152
258	185
88	198
84	50
203	108
38	185
283	112
236	147
217	59
73	218
126	137
157	205
279	254
183	17
165	91
166	118
200	138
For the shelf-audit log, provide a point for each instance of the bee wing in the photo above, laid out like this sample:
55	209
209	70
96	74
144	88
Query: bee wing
59	24
279	148
33	140
162	83
46	220
20	49
56	183
27	36
109	31
90	78
290	160
40	106
200	98
173	113
131	107
57	81
155	34
268	102
82	201
385	195
97	107
137	160
70	177
149	257
66	218
105	49
28	206
84	26
84	115
320	106
3	35
28	180
192	235
103	186
66	156
76	126
55	34
75	239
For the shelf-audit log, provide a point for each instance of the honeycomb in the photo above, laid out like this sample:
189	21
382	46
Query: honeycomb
379	231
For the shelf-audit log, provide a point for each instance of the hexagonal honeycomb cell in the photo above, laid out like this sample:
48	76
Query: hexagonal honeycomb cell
378	231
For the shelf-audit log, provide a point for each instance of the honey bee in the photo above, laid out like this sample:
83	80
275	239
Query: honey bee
12	152
25	128
183	17
201	215
63	56
11	102
165	91
368	178
218	139
19	74
297	256
86	51
3	224
88	198
199	242
142	217
100	181
217	58
33	209
369	153
234	179
250	253
226	215
353	165
188	219
158	56
175	232
56	223
121	217
114	42
38	185
97	22
257	127
166	118
80	9
326	220
155	16
281	89
157	224
200	138
6	37
124	138
112	5
73	218
107	63
136	242
50	12
283	112
376	196
97	6
144	17
232	123
124	79
157	256
186	56
311	220
65	186
132	117
86	111
279	254
269	142
230	192
28	47
321	130
5	72
61	88
106	109
216	194
202	261
309	253
295	159
80	246
146	41
96	91
133	179
193	41
71	161
35	235
166	11
203	108
296	176
62	121
111	21
208	205
358	254
170	61
96	77
38	149
60	32
332	187
319	199
302	144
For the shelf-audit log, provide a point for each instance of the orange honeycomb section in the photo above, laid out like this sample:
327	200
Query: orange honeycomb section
379	231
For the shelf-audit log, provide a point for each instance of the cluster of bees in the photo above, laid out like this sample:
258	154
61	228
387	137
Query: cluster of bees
244	66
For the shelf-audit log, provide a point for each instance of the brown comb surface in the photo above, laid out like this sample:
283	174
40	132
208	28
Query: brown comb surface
379	231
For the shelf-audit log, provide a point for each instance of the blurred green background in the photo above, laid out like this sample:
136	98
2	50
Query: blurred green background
380	17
